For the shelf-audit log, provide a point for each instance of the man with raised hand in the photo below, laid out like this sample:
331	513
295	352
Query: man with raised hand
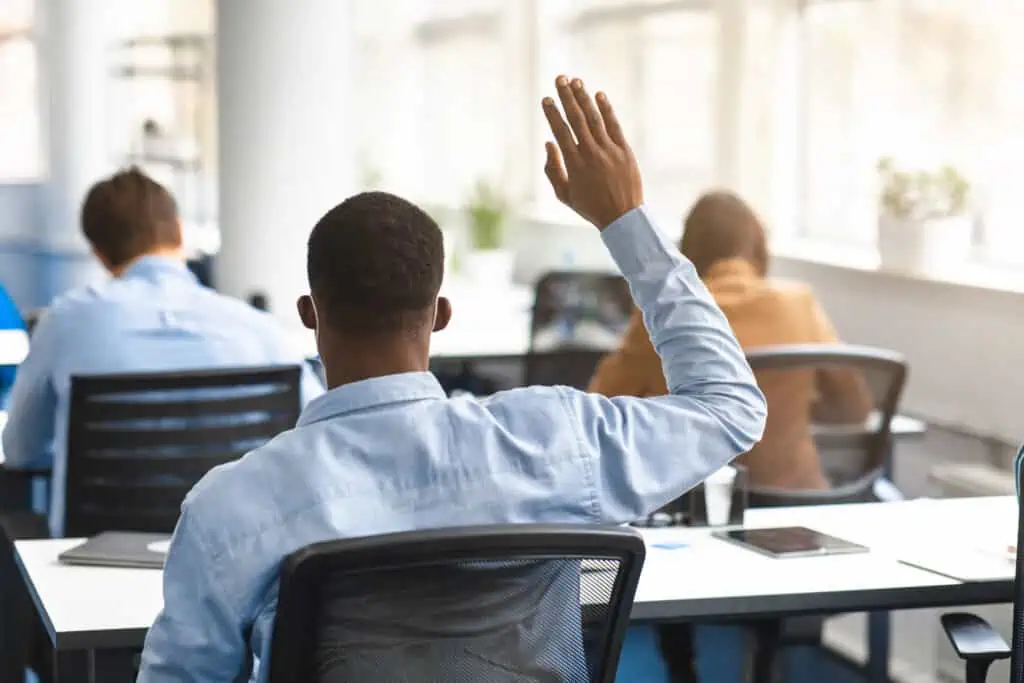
384	450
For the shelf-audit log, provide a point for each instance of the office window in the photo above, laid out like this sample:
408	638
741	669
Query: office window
464	87
928	82
837	146
791	103
20	144
659	63
431	97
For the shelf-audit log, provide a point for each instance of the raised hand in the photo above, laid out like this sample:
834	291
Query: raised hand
591	168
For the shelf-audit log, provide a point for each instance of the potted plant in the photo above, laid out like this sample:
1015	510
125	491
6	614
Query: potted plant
924	221
488	260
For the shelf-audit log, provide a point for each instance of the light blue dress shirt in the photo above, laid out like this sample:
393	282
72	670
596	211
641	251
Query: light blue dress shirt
155	317
393	454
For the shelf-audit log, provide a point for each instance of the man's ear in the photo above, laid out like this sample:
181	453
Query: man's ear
307	311
442	314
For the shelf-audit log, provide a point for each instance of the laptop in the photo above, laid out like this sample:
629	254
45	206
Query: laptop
126	549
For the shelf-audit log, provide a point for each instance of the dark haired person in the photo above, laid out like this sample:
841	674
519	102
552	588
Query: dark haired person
152	316
726	242
385	450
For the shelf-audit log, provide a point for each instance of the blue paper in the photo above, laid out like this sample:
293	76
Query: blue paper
670	546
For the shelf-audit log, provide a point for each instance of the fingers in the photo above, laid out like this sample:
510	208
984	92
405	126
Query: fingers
554	169
611	121
573	111
593	117
563	136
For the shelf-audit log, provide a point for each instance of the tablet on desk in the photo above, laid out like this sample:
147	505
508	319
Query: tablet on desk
124	549
790	541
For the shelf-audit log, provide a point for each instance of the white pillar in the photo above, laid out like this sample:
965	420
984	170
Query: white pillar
75	37
732	43
285	152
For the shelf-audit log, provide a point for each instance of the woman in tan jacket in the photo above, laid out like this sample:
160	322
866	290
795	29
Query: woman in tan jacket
726	242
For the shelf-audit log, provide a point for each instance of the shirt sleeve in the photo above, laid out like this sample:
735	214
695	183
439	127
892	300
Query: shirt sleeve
644	452
197	636
28	436
631	370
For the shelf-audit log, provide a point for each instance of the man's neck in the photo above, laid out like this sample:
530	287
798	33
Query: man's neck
170	253
353	361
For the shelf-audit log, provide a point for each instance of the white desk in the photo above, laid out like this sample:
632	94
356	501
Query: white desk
924	553
95	608
906	426
13	346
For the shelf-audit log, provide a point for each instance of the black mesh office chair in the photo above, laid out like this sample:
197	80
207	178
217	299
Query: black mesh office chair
581	310
578	316
490	603
858	393
138	443
977	643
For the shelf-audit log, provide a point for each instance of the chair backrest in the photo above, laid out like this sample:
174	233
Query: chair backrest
858	393
578	309
138	443
487	603
568	367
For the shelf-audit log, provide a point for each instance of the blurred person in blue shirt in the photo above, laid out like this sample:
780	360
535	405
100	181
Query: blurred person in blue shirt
151	316
385	450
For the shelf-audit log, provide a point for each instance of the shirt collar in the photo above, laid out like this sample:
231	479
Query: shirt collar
372	393
148	267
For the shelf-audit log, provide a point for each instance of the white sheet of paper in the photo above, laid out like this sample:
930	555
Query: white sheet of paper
159	546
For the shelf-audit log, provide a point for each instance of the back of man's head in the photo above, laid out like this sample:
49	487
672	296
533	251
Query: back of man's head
375	266
129	215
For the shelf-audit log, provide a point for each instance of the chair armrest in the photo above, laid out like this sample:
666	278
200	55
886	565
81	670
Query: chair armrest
973	638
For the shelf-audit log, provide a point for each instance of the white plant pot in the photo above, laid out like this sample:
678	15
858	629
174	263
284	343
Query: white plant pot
928	246
489	267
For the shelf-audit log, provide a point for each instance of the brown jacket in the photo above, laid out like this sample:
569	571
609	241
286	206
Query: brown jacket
762	313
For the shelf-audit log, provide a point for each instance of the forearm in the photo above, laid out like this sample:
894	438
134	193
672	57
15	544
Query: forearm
698	351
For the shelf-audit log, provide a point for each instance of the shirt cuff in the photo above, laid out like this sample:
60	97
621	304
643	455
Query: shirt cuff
637	245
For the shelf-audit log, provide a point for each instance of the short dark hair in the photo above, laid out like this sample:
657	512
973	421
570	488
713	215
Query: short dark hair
375	264
129	214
